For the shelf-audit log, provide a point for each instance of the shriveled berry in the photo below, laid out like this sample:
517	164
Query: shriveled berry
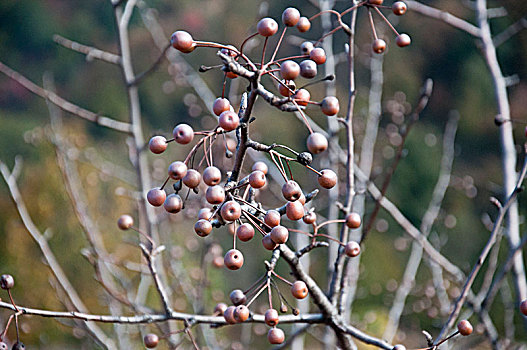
289	70
279	234
220	308
233	259
271	317
173	203
257	179
157	144
291	190
317	143
237	297
229	120
283	308
308	69
212	176
177	170
231	211
290	16
245	232
261	166
228	315
221	105
378	46
7	281
403	40
272	218
267	27
268	243
399	8
215	194
318	55
182	41
294	210
302	97
275	336
330	105
353	220
241	314
310	218
303	24
327	179
151	340
306	47
192	178
523	307
183	133
156	197
299	289
464	327
125	222
203	227
352	249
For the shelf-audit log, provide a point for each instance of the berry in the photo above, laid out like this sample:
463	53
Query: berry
275	336
182	41
378	46
302	97
310	218
220	308
7	281
228	315
237	297
245	232
233	259
268	243
317	143
294	210
3	346
375	2
299	290
241	314
330	105
289	70
271	317
353	220
399	347
284	91
18	346
257	179
318	55
173	203
192	178
125	222
203	227
304	158
290	16
215	194
156	197
272	218
261	166
523	307
403	40
157	144
303	24
231	211
267	27
229	120
177	170
204	213
279	234
221	105
151	340
306	47
308	69
183	133
291	190
464	327
327	179
399	8
352	249
212	176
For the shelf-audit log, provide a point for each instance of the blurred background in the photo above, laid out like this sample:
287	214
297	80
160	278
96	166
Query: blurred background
448	56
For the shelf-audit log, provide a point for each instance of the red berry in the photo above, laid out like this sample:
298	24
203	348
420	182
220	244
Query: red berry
220	308
261	166
353	220
192	178
237	297
272	218
352	249
271	317
523	307
306	47
157	144
151	340
399	8
267	27
289	70
308	69
183	133
275	336
173	203
287	91
212	176
233	260
228	315
330	105
177	170
279	234
294	210
257	179
378	46
268	243
291	190
290	16
231	211
204	213
203	227
241	314
229	120
7	281
299	290
156	197
317	143
328	179
221	105
215	194
302	97
464	327
125	222
310	218
403	40
318	55
182	41
303	24
376	2
245	232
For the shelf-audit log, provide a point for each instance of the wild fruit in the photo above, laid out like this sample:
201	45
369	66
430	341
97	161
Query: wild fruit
228	315
291	190
231	211
399	8
290	16
229	120
233	259
330	105
156	197
192	178
318	55
268	243
303	24
220	308
261	166
267	27
317	143
173	203
399	347
151	340
464	327
241	314
352	249
299	290
177	170
275	336
310	218
327	179
245	232
183	133
257	179
271	317
18	346
308	69
353	220
237	297
212	176
302	97
204	213
403	40
7	281
272	218
375	2
378	46
157	144
279	234
215	195
125	222
182	41
523	307
203	227
294	210
221	105
289	70
306	47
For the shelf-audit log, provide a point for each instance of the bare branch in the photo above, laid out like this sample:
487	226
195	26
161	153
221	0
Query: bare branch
90	52
510	31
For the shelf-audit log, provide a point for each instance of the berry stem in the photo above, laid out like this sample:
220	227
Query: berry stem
256	295
330	222
282	278
303	116
12	301
254	285
164	183
263	52
386	20
372	25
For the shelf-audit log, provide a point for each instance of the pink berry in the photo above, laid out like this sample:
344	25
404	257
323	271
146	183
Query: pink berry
183	133
157	144
156	197
267	27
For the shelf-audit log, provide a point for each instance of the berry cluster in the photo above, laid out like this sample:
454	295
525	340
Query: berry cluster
7	282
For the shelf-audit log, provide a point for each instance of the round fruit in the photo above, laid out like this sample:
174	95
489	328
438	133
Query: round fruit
378	46
241	314
203	227
294	210
302	97
245	232
204	213
272	218
18	346
268	243
523	307
353	220
183	134
261	166
317	143
291	190
177	170
229	120
399	347
318	55
399	8
328	179
228	315
289	70
290	16
151	340
275	336
308	69
257	179
310	218
352	249
403	40
375	2
7	281
267	27
215	194
192	178
306	47
125	222
299	290
173	203
156	197
271	317
330	105
303	24
182	41
212	176
3	346
279	234
157	144
221	105
231	211
237	297
220	308
233	259
464	327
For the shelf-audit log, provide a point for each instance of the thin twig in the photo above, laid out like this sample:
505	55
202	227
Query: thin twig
90	52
